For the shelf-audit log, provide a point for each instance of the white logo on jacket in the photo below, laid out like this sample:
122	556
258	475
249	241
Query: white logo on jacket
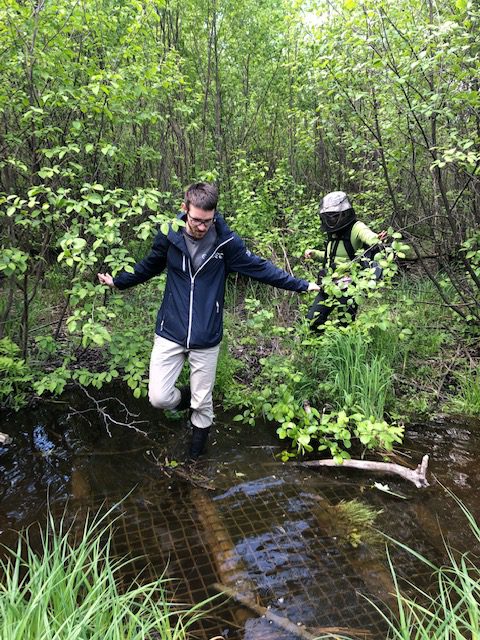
218	255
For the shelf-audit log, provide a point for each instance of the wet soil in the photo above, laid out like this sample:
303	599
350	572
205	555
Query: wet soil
240	517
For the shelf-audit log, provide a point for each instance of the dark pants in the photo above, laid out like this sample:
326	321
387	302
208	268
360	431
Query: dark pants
319	312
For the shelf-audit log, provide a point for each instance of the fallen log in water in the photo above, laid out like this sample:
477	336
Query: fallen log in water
284	623
418	476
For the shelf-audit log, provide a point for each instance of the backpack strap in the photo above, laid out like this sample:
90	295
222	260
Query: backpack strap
333	240
331	247
347	242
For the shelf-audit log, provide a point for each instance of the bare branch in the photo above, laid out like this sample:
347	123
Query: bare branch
299	631
418	476
108	419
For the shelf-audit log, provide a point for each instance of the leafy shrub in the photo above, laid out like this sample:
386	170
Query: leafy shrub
15	375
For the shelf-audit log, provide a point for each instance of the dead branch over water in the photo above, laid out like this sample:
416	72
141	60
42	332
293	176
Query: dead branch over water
418	476
297	630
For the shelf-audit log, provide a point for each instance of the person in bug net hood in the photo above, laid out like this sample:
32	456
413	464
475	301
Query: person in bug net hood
348	240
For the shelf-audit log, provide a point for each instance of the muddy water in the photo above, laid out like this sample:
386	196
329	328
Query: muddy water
268	531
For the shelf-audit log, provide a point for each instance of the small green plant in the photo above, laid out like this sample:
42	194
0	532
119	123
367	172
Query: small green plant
335	431
308	429
72	590
467	400
54	382
355	521
15	375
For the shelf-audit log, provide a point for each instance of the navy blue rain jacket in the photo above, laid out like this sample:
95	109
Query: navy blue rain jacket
191	313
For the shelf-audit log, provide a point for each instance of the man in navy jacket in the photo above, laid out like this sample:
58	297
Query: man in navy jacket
198	257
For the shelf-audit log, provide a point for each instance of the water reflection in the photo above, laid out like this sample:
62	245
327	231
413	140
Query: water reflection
266	526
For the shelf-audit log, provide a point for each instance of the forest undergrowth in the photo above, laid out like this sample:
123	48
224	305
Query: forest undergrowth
405	358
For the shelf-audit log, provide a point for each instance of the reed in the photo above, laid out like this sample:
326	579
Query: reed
451	611
357	377
467	399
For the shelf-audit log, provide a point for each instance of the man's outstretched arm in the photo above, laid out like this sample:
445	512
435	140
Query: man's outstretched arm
152	265
244	261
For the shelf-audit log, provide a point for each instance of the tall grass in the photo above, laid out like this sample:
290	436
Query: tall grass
73	591
452	611
467	400
356	376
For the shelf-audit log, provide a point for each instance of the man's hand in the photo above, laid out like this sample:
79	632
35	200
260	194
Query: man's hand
382	235
105	278
308	253
313	286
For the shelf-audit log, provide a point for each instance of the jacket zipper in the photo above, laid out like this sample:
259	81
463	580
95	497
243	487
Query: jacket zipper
190	306
192	286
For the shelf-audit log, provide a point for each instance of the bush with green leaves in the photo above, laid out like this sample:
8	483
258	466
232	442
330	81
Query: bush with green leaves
15	375
108	111
281	395
93	228
331	389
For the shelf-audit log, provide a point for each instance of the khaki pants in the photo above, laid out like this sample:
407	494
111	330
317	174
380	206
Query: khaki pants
166	363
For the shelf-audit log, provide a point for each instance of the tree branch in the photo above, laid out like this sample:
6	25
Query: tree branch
418	476
107	418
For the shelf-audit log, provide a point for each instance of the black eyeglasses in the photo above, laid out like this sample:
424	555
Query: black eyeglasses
198	221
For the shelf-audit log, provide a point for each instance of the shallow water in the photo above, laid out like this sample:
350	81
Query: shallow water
240	517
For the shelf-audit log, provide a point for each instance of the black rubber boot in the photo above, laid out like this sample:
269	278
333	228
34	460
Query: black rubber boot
199	440
185	399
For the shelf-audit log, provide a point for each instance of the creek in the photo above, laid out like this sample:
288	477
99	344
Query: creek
265	529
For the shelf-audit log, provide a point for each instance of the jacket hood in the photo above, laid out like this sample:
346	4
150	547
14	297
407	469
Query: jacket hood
223	230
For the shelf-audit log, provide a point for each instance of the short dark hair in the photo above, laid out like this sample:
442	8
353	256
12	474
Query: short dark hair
203	195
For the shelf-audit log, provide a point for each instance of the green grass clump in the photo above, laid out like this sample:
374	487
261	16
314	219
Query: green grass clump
355	521
452	610
73	591
467	400
356	377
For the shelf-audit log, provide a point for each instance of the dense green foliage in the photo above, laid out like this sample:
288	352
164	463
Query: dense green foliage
109	109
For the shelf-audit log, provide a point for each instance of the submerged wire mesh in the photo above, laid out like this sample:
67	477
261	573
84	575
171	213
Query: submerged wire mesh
267	530
270	538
